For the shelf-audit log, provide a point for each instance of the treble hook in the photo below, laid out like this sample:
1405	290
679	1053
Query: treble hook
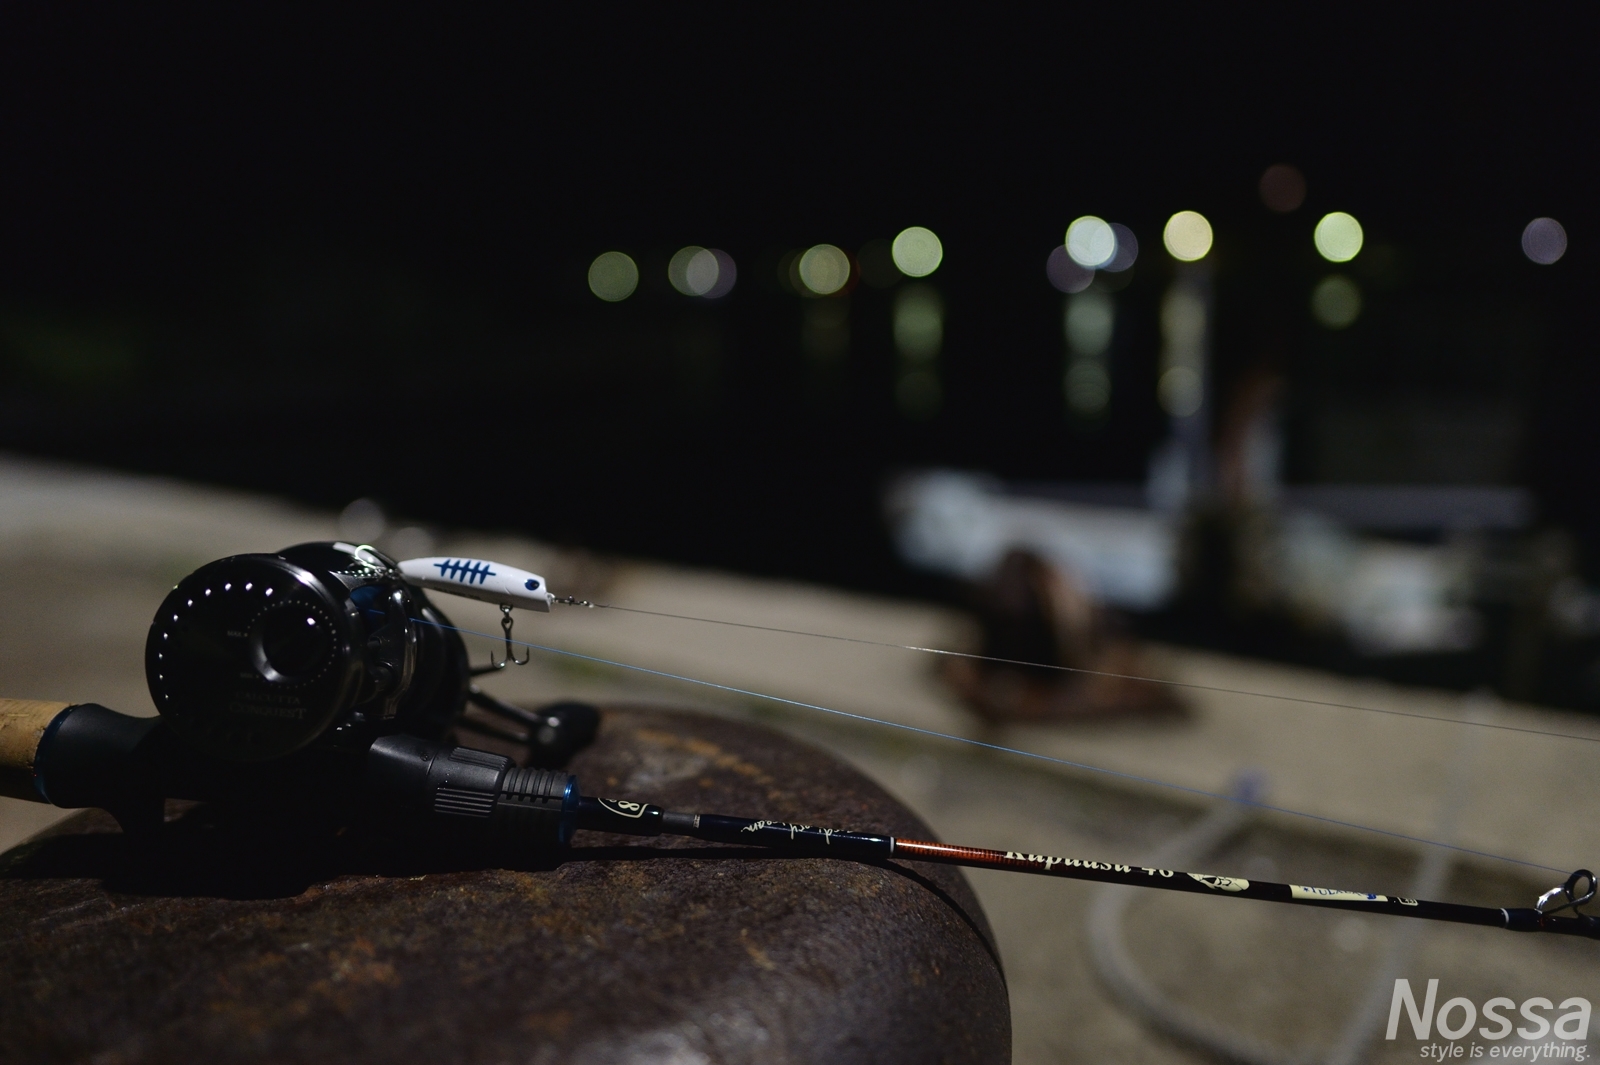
1570	890
511	657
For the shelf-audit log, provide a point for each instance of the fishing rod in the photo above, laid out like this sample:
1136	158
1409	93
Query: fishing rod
323	674
632	818
88	755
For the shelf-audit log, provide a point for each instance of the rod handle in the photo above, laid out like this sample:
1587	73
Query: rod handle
22	727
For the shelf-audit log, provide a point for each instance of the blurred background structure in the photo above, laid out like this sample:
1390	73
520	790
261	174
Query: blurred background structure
700	289
1138	344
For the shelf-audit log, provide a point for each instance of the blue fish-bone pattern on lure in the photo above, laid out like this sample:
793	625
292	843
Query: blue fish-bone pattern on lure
465	570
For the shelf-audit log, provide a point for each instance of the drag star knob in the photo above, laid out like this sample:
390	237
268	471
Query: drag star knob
475	578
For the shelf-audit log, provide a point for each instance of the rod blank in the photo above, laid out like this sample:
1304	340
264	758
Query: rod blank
642	819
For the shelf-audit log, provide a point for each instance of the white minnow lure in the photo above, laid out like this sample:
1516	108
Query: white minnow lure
475	578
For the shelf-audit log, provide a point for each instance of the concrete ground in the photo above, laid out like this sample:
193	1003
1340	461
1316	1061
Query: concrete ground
86	556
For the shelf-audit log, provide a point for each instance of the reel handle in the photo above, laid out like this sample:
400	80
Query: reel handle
86	755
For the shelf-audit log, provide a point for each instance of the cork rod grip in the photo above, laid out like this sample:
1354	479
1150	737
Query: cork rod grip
22	725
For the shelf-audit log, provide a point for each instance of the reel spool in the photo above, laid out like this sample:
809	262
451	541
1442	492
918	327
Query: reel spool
254	657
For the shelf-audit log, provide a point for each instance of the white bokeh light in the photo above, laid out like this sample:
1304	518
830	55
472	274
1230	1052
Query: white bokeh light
1187	236
1091	242
704	272
1338	237
1544	241
917	252
701	273
824	269
693	270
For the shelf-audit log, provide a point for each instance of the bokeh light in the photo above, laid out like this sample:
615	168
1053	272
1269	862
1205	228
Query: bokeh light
1183	321
824	269
727	274
1088	387
692	271
707	272
918	322
1283	188
1090	319
1127	249
917	252
1338	237
1091	242
1544	241
1066	275
1179	391
1187	236
1336	302
613	276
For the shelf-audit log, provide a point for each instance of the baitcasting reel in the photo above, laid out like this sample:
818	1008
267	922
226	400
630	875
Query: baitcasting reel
254	657
319	675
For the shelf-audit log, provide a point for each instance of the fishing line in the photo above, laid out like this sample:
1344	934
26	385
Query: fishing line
1192	685
1005	750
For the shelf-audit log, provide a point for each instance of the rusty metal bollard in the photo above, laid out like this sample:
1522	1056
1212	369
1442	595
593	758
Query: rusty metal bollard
254	941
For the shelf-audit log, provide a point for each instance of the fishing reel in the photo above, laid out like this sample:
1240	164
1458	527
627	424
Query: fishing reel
318	677
255	657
